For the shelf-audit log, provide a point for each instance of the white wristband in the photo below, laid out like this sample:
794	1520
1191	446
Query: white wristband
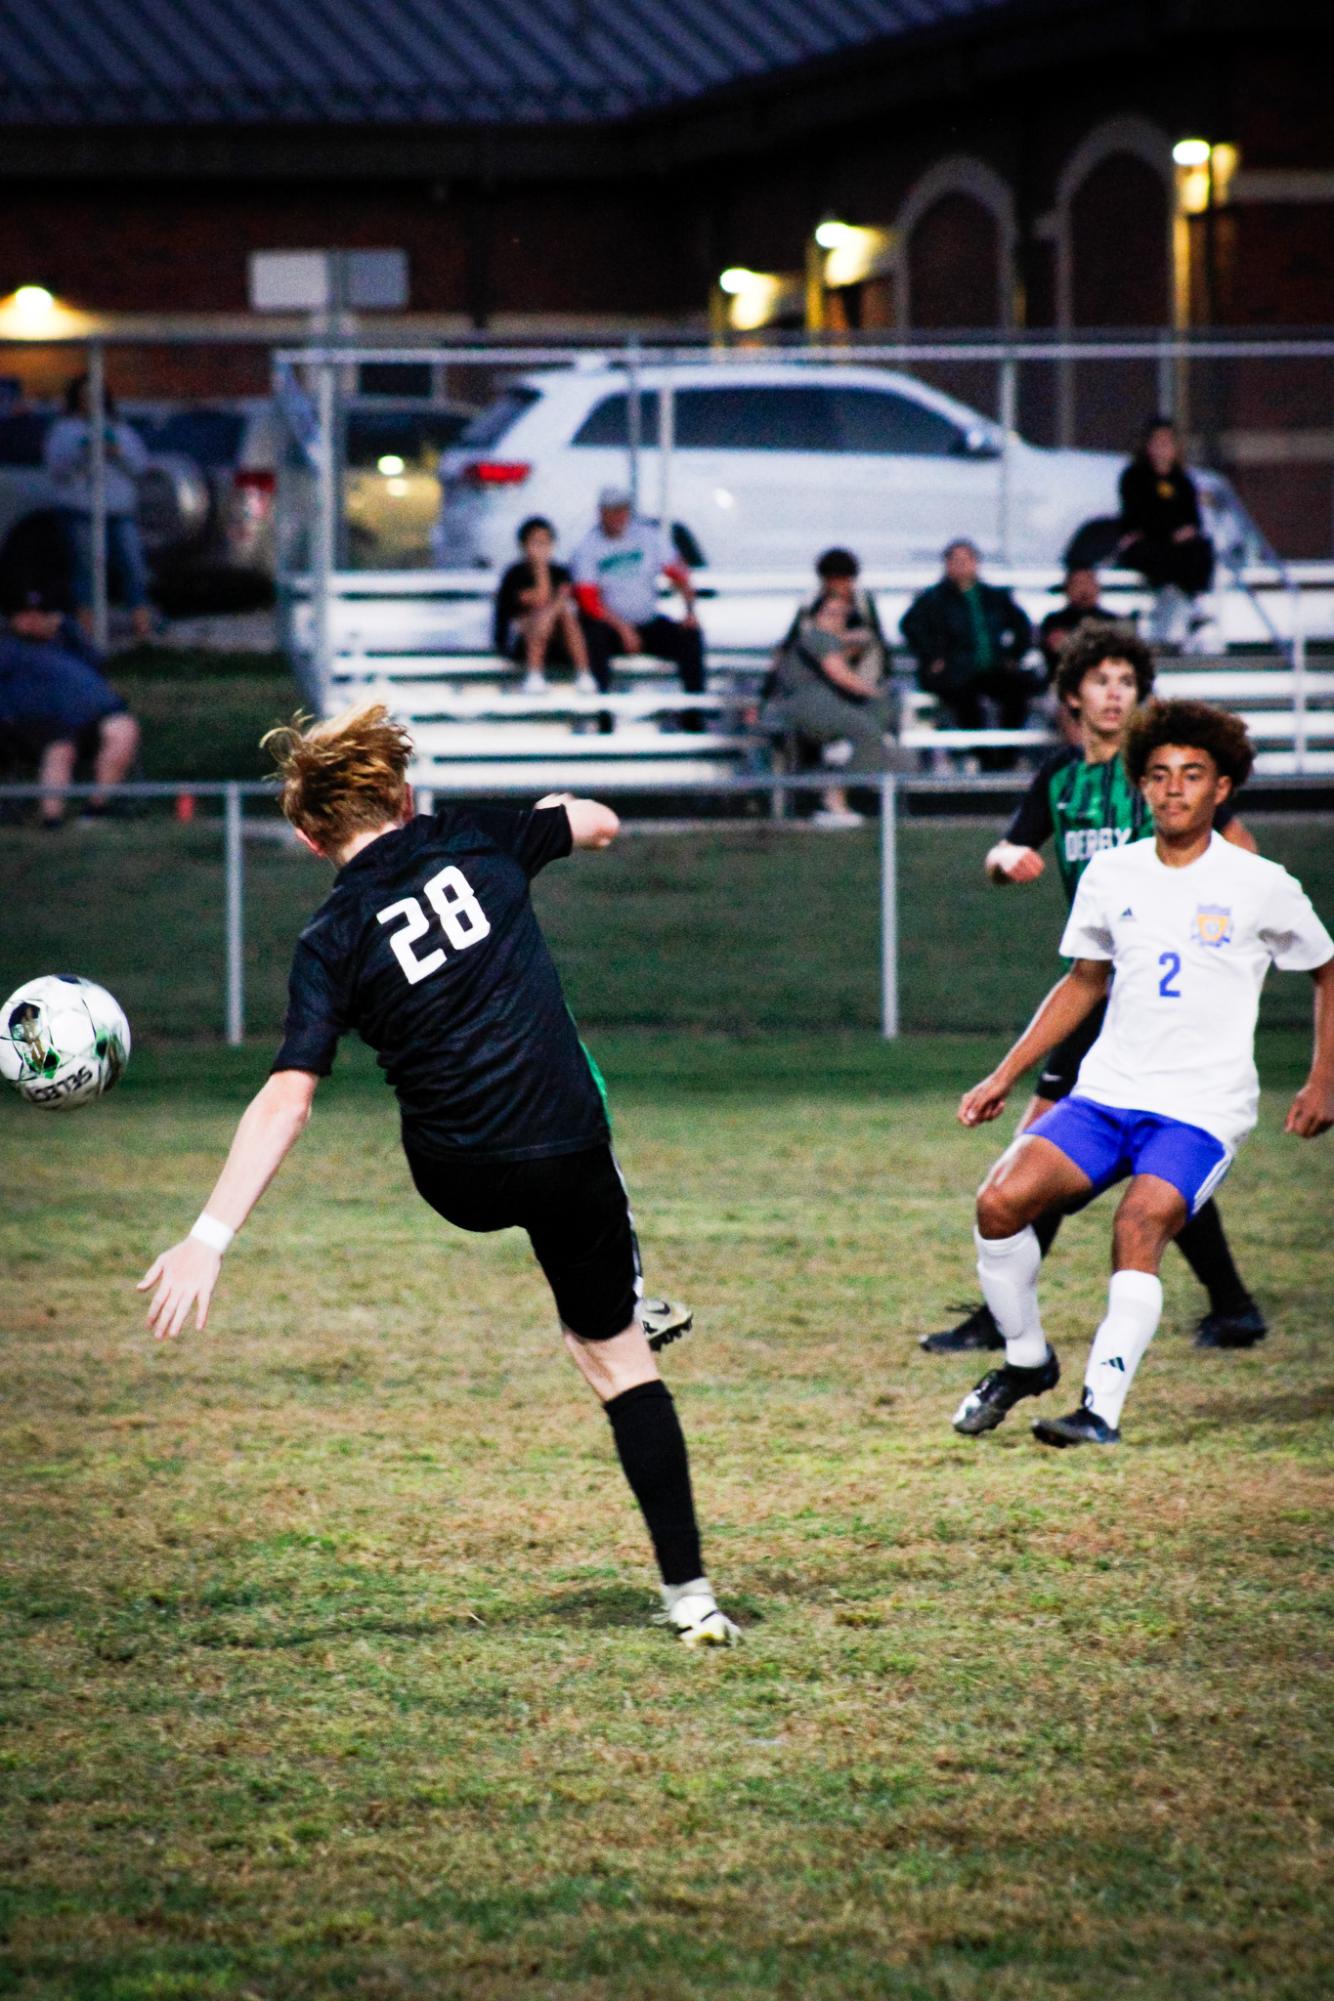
213	1233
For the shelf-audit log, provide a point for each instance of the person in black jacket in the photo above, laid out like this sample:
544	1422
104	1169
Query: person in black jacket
1162	535
968	639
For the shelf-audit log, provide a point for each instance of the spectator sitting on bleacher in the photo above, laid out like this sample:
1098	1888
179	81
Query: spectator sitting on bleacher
55	702
616	570
535	615
968	639
1081	605
1162	535
827	681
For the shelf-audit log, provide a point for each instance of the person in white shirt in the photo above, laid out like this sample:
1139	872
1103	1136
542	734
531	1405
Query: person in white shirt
1190	925
616	569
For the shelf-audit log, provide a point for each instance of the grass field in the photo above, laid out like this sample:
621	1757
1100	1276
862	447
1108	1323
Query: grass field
325	1660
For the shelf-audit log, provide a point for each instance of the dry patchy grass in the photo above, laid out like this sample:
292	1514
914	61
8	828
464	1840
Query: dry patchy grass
327	1667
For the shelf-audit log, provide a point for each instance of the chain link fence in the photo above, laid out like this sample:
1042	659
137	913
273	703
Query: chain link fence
740	924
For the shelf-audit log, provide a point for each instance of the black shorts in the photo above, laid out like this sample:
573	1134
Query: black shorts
576	1211
1062	1067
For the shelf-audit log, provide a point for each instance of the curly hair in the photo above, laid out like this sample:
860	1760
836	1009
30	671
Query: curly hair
1192	726
342	776
1098	640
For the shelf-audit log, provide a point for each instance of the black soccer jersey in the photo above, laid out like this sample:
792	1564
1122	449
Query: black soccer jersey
429	948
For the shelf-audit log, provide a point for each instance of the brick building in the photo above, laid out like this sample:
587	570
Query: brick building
994	165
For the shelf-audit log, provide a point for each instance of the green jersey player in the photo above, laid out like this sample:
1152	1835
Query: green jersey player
1082	800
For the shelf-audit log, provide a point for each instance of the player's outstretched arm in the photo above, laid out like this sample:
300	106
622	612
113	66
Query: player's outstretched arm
591	825
186	1275
1009	862
1069	1001
1312	1110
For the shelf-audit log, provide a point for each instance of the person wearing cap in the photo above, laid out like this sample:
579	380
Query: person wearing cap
55	701
616	569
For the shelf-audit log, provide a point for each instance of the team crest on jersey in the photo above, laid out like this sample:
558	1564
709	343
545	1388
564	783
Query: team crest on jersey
1213	923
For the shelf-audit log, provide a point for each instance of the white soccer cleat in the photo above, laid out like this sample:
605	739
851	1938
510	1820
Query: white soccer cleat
664	1321
694	1615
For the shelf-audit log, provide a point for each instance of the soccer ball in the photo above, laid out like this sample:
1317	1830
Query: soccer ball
63	1041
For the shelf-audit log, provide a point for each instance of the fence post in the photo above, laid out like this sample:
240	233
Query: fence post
233	865
666	445
1298	683
633	416
326	530
1009	414
889	906
97	470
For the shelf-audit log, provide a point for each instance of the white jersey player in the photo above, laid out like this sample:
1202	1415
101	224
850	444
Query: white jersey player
1190	924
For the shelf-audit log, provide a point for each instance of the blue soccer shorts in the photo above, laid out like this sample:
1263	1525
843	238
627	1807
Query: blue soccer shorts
1110	1144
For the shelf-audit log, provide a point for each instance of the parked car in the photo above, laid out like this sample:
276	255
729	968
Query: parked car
391	485
773	460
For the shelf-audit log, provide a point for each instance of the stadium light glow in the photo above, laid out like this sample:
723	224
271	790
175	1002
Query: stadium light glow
1191	152
832	234
36	299
736	279
389	463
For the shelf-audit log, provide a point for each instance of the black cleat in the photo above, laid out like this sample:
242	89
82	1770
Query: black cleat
1232	1330
996	1395
976	1330
664	1321
1082	1427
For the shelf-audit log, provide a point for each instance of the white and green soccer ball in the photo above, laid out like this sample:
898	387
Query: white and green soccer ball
63	1041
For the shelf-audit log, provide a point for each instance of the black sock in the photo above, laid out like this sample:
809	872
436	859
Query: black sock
1046	1227
652	1448
1205	1249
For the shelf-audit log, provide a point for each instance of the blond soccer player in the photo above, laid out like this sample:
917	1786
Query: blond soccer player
428	947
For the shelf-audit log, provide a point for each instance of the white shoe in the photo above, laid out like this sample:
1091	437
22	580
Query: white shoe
585	684
534	684
844	817
664	1321
693	1613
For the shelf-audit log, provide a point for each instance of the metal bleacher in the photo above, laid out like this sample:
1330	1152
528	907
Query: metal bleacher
420	642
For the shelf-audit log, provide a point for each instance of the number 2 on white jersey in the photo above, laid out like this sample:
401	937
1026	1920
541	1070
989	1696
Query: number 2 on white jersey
461	916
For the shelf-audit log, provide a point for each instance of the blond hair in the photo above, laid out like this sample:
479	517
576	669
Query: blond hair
342	776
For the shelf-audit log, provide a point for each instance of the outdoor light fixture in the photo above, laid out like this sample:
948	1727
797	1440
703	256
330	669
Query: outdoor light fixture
1191	152
32	311
389	463
736	279
832	234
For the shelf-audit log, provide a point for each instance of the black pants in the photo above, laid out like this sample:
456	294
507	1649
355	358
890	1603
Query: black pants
1189	565
663	638
1009	688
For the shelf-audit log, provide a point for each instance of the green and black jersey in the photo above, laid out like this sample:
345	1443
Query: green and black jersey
1087	807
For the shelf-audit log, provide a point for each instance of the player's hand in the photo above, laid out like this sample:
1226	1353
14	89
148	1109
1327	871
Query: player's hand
985	1101
1008	862
1311	1111
185	1277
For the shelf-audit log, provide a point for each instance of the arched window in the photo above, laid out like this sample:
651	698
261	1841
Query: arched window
1114	264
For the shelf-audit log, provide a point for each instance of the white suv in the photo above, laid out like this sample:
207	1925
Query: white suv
774	461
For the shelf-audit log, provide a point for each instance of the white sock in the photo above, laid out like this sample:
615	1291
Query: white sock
1008	1268
1134	1308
